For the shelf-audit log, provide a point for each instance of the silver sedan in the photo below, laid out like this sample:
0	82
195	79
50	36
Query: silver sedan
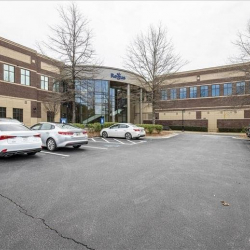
55	135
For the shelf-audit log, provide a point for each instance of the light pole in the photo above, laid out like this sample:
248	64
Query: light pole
183	120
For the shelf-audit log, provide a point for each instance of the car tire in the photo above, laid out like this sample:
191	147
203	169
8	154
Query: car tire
128	136
104	134
51	144
31	153
77	146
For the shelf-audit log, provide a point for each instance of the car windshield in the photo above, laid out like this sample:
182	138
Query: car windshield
66	126
13	127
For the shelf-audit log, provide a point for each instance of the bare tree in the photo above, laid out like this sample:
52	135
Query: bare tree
71	42
242	61
151	56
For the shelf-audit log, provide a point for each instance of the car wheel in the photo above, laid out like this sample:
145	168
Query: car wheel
51	144
104	134
77	146
128	136
31	153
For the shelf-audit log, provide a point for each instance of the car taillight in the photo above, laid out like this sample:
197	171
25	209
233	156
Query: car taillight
4	151
65	133
6	137
84	132
136	129
37	135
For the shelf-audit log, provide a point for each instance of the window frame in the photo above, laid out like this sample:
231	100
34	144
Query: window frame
2	111
226	88
215	89
173	94
183	93
204	91
43	82
164	95
26	77
18	114
239	90
193	92
10	74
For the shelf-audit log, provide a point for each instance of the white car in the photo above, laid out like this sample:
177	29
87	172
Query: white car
15	138
124	130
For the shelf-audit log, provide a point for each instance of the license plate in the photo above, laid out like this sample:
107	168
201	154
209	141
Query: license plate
77	134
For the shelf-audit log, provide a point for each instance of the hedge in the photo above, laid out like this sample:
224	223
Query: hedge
235	130
97	127
189	128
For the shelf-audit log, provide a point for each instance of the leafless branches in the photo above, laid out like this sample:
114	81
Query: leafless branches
152	58
71	41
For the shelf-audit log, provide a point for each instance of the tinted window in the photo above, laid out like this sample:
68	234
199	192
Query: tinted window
65	126
123	126
114	127
46	126
13	127
36	127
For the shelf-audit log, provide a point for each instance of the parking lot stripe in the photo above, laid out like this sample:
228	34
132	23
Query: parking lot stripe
54	154
131	141
93	139
92	147
105	140
119	141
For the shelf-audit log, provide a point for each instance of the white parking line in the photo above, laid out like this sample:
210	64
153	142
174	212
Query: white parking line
105	140
216	136
131	141
119	141
92	147
54	154
93	139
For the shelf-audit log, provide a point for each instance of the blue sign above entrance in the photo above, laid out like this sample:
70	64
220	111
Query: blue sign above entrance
118	76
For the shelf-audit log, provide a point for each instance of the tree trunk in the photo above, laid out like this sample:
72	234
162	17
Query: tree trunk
73	111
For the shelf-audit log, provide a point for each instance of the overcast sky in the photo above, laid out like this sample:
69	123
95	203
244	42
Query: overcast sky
202	31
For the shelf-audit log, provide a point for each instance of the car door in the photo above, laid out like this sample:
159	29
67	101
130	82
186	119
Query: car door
113	131
45	132
122	129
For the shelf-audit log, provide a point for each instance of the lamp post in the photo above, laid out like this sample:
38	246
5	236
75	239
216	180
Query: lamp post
183	120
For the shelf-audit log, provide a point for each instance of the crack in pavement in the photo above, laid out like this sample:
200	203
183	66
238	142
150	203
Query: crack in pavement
25	212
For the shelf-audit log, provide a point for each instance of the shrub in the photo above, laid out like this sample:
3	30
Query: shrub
158	128
189	128
235	130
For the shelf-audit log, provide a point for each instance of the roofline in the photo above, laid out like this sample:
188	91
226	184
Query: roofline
212	68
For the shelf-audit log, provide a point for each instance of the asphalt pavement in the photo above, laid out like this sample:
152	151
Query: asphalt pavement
189	191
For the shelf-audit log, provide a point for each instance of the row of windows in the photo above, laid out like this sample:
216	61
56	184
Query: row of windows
9	76
227	89
17	113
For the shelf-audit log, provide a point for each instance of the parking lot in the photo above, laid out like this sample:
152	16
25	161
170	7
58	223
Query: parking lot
129	194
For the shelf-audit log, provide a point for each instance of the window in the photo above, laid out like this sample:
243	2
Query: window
183	93
240	88
215	90
2	112
18	114
163	94
25	77
50	116
173	94
44	82
47	126
227	88
193	92
9	73
56	87
204	91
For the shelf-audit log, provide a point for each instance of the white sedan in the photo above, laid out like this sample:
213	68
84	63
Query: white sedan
124	130
15	138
